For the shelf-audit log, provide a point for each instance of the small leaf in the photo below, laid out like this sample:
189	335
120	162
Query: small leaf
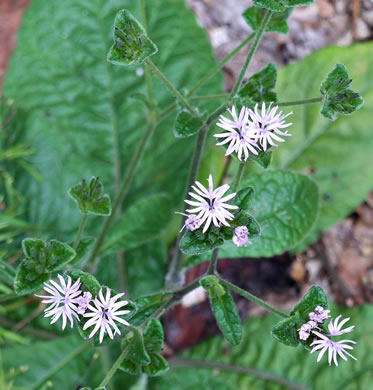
130	367
245	219
90	199
263	158
137	354
153	336
148	305
338	96
187	124
281	5
226	315
278	23
158	365
41	259
259	87
88	281
314	297
244	198
131	43
23	284
82	249
286	331
194	243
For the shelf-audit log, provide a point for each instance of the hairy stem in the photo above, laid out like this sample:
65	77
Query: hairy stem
258	37
300	102
173	276
80	231
213	262
168	84
218	66
252	298
114	367
136	158
238	178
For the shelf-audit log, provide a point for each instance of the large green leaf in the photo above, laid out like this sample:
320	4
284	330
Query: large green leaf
82	119
65	362
270	365
337	154
285	205
143	221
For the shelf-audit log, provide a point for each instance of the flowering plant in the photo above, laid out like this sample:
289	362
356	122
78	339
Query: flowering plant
247	209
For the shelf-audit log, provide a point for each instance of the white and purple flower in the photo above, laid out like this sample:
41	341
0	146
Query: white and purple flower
267	125
104	312
63	300
210	204
241	138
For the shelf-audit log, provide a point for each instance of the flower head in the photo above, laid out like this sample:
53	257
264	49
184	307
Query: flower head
83	302
319	314
191	223
241	236
305	329
63	299
335	348
267	124
239	135
335	328
104	312
210	205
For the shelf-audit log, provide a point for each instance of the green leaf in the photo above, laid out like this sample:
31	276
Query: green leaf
88	281
130	367
61	361
314	297
281	5
286	331
263	363
136	352
259	87
90	198
82	249
187	124
226	314
153	341
285	205
148	305
195	243
82	119
41	259
263	159
131	43
7	273
278	22
153	336
142	222
338	96
244	198
28	281
157	366
338	155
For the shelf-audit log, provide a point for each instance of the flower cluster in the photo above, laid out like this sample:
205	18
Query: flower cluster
68	301
252	130
323	342
241	236
316	317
